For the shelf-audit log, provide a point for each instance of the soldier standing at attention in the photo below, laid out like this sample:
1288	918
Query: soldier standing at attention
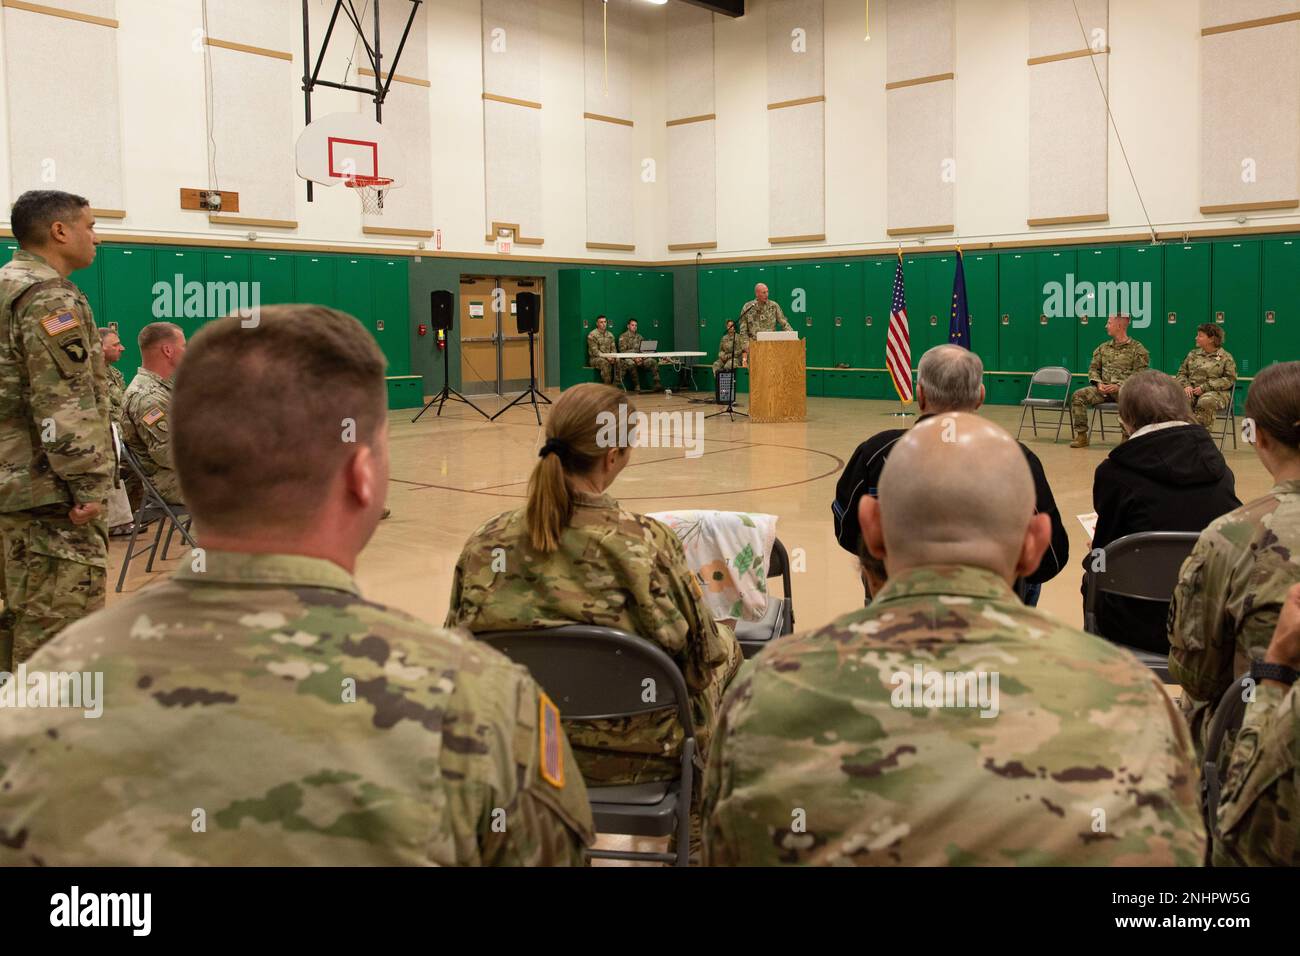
630	341
259	710
1208	374
947	723
599	340
56	451
1233	585
1112	363
111	343
760	314
726	347
146	427
119	503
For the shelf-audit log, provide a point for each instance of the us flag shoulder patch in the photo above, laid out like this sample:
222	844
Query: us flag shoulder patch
58	323
552	737
153	415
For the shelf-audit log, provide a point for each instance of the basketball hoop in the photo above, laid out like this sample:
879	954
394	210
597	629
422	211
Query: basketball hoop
371	190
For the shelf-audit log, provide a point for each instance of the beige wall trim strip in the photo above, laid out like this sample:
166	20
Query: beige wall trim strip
1243	24
692	119
1069	220
1073	54
776	240
246	221
399	78
919	230
408	233
108	213
685	246
1251	206
245	48
513	227
496	98
918	81
58	12
607	119
613	246
799	102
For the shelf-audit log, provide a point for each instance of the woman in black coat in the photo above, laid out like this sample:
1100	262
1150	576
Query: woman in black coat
1168	476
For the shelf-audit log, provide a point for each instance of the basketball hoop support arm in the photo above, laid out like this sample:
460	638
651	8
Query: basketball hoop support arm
313	80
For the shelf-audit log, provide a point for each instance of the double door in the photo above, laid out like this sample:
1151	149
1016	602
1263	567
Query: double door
493	352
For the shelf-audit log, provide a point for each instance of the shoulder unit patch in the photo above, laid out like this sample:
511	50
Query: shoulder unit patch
552	741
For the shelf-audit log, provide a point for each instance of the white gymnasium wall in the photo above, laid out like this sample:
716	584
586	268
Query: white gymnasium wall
690	132
796	120
1159	74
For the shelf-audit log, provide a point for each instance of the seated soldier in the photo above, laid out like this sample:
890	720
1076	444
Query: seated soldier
730	351
259	711
1112	363
1259	809
1208	374
600	342
119	502
884	739
146	427
630	341
575	556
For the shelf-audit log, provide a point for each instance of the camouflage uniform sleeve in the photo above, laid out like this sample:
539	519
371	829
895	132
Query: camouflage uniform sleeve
1200	658
707	646
516	796
1224	382
591	347
718	848
153	428
1261	792
69	391
1184	376
1143	358
1094	369
781	319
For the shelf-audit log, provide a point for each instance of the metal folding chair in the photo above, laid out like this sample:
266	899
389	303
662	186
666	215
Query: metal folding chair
778	620
1050	376
1144	567
1099	413
152	509
599	673
1229	418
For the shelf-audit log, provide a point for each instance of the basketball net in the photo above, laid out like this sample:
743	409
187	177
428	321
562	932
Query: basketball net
371	190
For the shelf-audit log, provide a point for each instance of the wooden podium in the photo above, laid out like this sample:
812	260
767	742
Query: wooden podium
778	382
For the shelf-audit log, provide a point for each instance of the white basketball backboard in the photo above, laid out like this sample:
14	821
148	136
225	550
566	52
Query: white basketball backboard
340	146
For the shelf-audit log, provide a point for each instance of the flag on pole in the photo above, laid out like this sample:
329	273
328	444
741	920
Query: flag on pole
959	320
898	345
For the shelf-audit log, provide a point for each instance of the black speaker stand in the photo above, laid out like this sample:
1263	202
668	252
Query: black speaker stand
447	391
531	393
730	410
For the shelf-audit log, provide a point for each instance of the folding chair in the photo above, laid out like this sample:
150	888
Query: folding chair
1229	418
1144	567
152	509
599	673
1050	376
1099	413
778	619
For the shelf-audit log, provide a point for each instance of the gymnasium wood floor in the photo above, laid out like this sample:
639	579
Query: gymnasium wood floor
450	474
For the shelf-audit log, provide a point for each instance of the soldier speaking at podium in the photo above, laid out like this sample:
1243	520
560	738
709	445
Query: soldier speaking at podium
760	314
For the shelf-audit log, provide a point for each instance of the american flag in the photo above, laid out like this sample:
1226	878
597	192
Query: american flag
898	346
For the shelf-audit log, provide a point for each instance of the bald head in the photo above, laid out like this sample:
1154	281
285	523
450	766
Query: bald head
956	490
760	293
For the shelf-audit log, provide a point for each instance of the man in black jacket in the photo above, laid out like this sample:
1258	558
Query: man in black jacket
949	379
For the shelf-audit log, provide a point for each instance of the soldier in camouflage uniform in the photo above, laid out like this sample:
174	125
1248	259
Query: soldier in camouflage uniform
630	341
610	567
119	503
111	344
1230	589
832	752
257	710
601	340
1259	808
1112	363
727	346
146	427
1208	374
760	314
56	452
